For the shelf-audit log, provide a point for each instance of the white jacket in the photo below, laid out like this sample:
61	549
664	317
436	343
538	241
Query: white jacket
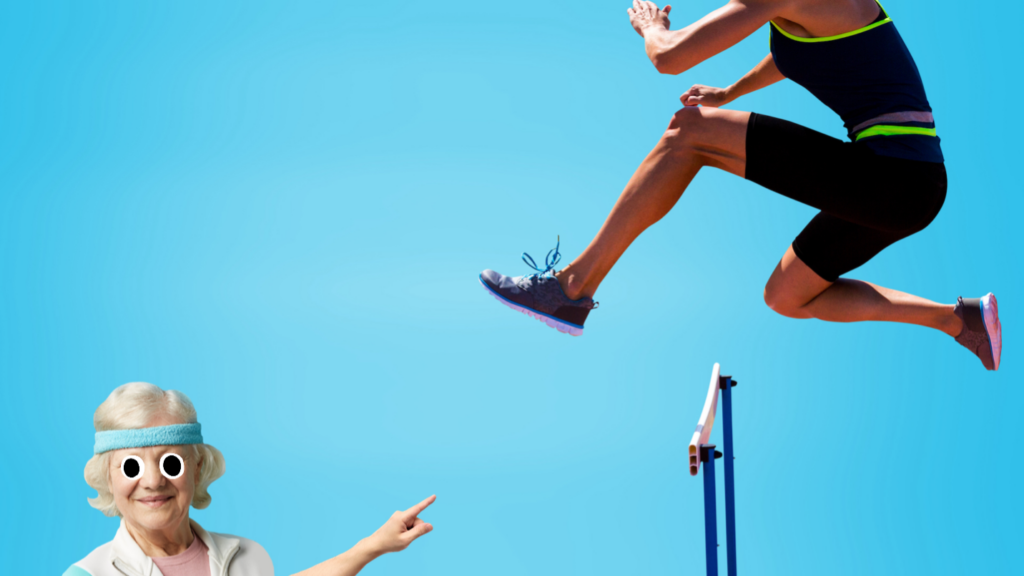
229	556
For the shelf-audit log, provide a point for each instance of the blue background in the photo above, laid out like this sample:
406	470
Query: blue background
281	210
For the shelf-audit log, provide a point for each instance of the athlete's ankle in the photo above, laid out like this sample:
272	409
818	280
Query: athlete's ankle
951	323
572	284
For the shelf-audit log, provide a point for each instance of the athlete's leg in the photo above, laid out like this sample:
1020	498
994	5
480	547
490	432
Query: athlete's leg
696	137
699	137
867	203
796	291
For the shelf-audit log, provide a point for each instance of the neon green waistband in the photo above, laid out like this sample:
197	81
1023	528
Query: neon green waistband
883	130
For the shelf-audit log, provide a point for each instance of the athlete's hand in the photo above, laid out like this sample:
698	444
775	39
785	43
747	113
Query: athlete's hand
705	96
400	530
644	15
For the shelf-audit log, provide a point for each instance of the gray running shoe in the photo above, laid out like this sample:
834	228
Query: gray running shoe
540	296
982	333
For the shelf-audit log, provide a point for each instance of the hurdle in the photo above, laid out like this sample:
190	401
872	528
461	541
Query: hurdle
701	452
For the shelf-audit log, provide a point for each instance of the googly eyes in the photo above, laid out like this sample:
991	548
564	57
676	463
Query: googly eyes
133	467
171	466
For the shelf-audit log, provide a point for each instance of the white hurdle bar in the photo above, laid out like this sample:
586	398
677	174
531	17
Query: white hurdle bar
707	420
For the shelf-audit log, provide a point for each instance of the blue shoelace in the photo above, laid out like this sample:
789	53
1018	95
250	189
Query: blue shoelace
550	261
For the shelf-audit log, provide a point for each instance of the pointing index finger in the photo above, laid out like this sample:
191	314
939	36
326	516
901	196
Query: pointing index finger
410	515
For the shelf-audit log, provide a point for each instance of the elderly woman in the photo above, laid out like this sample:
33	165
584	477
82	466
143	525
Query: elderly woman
151	464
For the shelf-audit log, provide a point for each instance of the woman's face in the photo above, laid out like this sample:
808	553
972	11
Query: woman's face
151	501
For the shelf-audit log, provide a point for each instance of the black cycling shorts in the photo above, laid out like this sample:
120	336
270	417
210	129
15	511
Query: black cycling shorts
867	201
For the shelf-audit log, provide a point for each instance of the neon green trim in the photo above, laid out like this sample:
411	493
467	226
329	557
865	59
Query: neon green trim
883	130
830	38
837	36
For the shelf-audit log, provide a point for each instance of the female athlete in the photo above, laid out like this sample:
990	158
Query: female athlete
885	184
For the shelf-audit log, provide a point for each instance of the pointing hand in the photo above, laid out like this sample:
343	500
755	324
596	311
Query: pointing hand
401	529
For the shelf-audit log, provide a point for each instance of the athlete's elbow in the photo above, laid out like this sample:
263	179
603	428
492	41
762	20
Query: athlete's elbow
661	66
670	52
659	60
667	65
667	68
670	62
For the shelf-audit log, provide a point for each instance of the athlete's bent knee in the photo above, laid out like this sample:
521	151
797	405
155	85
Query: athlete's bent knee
687	116
685	128
780	304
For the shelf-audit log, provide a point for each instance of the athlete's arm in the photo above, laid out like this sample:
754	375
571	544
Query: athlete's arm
764	74
675	51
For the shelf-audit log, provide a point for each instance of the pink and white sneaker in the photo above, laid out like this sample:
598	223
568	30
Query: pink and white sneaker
982	333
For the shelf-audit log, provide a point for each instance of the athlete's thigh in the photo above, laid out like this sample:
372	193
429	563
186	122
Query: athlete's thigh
718	136
810	167
844	179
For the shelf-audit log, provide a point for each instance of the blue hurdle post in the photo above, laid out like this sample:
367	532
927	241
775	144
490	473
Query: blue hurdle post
720	390
726	383
707	457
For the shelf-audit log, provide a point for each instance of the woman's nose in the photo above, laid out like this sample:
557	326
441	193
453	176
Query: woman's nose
152	477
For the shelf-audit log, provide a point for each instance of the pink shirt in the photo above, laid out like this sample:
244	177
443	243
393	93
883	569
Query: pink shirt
195	561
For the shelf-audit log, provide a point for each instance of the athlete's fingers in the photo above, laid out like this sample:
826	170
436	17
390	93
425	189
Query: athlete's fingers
410	515
638	6
667	9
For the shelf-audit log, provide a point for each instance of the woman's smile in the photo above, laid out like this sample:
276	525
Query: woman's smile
155	501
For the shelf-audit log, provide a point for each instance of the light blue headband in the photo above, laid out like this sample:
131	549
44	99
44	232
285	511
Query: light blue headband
172	435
